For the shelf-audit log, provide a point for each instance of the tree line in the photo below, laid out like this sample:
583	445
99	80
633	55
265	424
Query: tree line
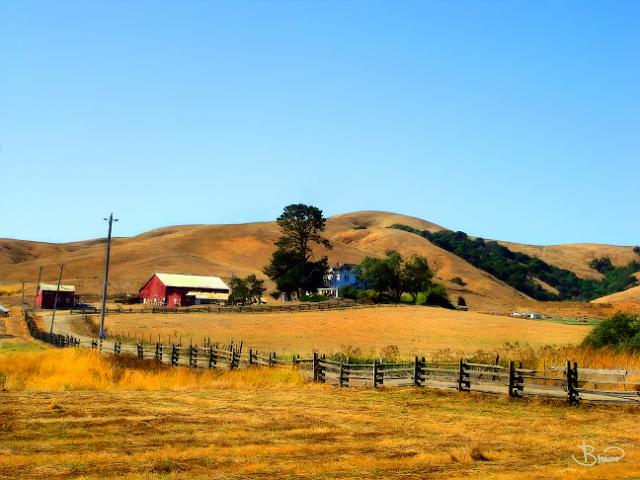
519	270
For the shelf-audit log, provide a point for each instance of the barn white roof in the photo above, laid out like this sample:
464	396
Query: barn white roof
52	287
208	295
191	281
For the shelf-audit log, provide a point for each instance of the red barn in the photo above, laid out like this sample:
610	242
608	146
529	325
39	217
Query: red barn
47	294
176	290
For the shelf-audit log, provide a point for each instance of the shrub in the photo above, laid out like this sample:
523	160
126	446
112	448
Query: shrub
622	331
437	296
361	296
314	297
458	281
406	298
636	250
348	292
602	265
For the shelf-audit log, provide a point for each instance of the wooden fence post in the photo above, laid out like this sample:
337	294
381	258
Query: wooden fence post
464	379
344	377
418	372
316	367
140	348
193	356
250	357
212	357
375	373
175	354
158	352
573	395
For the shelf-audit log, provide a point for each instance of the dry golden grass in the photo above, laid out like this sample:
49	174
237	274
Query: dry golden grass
268	424
414	330
629	296
83	369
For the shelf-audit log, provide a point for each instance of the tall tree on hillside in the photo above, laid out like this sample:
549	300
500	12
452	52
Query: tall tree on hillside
292	265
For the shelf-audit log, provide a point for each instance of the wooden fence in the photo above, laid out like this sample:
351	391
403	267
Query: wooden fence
298	307
568	382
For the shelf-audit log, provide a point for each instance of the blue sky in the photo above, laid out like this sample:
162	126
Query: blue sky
511	120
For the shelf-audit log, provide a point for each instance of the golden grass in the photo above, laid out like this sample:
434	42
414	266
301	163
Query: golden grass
414	330
228	428
82	369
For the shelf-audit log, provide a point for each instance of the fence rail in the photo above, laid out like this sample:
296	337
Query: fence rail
299	307
568	382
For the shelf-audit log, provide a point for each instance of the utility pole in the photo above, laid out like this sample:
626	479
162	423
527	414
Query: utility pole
55	299
35	299
101	334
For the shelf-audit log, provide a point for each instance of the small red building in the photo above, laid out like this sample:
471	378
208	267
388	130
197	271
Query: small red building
176	290
47	294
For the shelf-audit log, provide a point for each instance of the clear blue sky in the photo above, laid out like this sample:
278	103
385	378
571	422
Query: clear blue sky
510	120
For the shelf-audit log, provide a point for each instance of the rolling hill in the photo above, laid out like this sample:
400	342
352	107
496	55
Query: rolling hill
245	248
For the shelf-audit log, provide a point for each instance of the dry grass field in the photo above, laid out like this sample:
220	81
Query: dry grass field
414	330
92	421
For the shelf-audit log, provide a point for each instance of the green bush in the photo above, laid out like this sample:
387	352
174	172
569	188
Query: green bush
348	292
406	298
437	296
621	331
314	297
602	265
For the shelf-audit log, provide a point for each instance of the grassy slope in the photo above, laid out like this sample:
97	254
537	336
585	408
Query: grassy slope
246	248
631	295
576	256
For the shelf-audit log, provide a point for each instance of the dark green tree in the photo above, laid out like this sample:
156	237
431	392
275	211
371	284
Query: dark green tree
292	265
239	291
602	265
416	276
246	290
392	276
256	288
383	275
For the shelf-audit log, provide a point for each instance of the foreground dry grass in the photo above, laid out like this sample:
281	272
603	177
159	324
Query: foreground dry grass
415	330
283	428
74	413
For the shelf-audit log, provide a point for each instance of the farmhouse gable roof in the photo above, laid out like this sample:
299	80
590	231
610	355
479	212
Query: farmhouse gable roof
191	281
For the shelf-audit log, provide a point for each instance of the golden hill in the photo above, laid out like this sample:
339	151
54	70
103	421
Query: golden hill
631	295
245	248
576	256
